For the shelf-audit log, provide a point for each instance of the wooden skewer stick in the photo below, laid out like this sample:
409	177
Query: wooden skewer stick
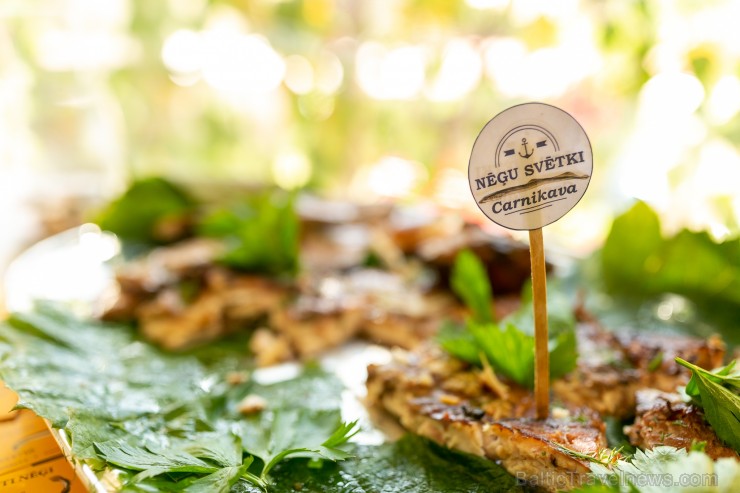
539	301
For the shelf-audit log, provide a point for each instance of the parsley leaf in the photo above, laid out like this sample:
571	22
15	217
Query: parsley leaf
295	433
717	394
410	465
151	461
220	481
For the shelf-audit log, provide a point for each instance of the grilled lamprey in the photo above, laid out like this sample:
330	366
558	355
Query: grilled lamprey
470	409
612	368
665	419
467	409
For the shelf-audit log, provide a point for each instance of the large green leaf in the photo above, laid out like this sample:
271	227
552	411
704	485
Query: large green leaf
636	259
165	421
411	465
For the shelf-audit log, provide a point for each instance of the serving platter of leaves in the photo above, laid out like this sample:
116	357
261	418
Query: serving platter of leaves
136	418
145	420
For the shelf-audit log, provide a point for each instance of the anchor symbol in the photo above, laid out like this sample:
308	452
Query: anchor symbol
526	152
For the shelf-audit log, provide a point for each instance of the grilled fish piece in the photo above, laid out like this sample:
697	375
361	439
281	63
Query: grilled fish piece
665	419
604	379
313	324
654	356
225	304
506	260
168	265
446	400
378	305
612	368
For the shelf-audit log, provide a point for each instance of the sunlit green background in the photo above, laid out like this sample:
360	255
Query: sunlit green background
370	99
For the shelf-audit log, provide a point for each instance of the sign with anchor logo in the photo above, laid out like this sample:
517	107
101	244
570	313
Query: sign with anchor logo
530	165
526	154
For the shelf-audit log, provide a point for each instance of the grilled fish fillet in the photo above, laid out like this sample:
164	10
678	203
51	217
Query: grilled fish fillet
665	419
612	368
445	400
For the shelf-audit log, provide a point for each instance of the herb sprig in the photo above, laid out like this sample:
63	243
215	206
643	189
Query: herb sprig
508	345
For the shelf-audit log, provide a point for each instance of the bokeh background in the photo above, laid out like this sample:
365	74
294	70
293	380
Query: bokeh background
364	99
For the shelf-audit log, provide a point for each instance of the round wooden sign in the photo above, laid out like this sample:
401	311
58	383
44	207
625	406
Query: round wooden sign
529	166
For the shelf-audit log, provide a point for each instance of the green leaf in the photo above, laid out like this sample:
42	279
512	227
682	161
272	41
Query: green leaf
459	342
509	350
721	404
410	465
151	462
563	354
138	213
274	436
261	233
631	249
469	281
560	309
222	449
722	375
508	346
615	436
637	261
220	481
656	362
164	420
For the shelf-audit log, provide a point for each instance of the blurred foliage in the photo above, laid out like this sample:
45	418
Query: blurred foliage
144	210
261	233
317	93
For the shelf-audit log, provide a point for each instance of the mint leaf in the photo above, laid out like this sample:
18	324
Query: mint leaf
509	350
459	342
509	345
563	354
469	281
